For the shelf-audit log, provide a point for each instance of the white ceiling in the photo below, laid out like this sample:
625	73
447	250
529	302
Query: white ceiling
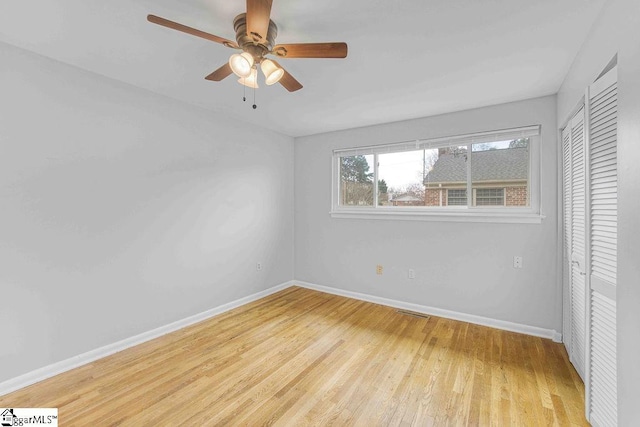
406	58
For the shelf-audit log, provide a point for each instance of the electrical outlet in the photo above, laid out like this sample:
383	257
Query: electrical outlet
259	266
378	269
517	262
412	273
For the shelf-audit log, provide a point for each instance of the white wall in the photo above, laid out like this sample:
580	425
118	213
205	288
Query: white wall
616	31
464	267
122	211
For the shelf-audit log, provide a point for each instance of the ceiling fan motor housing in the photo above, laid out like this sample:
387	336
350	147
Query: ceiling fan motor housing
253	43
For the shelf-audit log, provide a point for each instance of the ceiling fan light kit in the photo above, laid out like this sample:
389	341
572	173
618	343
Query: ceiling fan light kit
251	80
255	38
272	73
241	64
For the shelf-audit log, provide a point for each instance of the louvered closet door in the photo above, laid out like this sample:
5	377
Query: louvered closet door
603	192
566	257
578	246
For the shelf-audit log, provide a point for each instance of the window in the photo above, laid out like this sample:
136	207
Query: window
479	174
457	197
489	197
356	182
501	164
401	175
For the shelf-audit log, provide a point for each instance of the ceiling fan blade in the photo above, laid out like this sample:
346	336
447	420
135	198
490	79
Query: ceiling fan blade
288	81
311	50
220	73
258	15
194	32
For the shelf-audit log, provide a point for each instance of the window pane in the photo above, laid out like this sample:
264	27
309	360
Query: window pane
356	181
446	178
500	173
400	178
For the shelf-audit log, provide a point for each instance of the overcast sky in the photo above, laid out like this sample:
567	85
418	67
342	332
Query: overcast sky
400	169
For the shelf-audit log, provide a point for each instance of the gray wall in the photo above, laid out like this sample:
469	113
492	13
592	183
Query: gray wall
123	211
616	31
464	267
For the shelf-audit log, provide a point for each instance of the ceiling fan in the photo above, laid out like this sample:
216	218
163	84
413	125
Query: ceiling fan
255	38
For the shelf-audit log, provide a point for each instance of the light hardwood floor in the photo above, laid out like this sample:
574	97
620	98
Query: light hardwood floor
301	357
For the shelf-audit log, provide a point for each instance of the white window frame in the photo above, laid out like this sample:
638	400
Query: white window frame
469	213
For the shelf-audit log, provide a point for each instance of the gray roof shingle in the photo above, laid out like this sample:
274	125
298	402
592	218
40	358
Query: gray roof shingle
489	165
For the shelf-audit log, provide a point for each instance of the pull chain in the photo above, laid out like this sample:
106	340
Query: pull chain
244	91
254	97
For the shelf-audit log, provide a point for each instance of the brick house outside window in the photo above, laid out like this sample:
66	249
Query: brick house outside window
499	177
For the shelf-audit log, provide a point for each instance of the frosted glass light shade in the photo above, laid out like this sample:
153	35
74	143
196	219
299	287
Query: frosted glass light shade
251	80
272	72
241	64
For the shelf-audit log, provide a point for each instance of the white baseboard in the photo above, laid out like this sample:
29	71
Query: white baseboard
455	315
82	359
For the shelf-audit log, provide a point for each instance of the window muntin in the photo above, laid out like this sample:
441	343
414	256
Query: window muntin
498	171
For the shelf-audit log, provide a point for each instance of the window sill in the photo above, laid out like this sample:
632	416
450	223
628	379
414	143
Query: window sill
448	216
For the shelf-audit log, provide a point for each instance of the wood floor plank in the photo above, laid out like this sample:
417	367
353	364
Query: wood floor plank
301	357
